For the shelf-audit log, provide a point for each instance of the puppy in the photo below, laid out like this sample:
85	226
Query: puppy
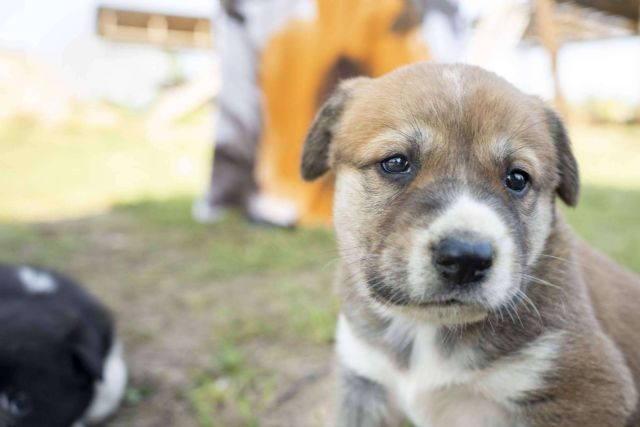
60	361
466	299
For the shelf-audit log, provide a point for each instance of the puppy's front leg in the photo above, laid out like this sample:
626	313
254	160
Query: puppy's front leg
596	389
363	403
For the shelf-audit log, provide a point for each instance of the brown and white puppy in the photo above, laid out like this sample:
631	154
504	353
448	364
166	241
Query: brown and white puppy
467	300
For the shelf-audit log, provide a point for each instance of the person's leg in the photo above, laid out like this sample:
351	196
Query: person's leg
231	184
238	120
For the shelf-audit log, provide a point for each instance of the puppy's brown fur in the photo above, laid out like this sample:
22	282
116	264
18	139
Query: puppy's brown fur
463	129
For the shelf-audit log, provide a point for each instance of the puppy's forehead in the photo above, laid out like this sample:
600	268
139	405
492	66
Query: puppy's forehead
430	104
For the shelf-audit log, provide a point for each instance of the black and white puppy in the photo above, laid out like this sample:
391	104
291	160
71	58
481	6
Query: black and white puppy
60	362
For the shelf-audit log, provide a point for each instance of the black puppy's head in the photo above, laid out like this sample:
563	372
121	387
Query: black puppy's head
51	355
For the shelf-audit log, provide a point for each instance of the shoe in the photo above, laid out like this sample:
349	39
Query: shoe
204	212
273	211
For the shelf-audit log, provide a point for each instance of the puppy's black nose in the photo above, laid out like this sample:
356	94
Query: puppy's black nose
461	261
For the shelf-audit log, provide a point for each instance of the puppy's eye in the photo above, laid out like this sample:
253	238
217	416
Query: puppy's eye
396	164
517	181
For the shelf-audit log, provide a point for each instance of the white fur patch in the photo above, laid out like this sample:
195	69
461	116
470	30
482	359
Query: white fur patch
108	392
513	378
37	282
360	357
441	391
466	214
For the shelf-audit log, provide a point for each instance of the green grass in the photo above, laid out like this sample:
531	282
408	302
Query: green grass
608	218
232	380
235	247
21	242
51	173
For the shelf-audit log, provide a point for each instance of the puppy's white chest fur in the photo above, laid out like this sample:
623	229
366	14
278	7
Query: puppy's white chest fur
438	390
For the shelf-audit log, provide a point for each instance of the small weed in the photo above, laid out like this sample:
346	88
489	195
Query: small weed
135	394
230	387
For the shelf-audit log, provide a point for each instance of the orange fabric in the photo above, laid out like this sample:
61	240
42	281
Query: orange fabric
293	71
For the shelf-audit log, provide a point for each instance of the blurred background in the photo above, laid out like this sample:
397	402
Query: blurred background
109	111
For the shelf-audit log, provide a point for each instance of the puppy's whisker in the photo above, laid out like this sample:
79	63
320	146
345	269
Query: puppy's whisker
569	262
541	281
515	311
525	298
507	308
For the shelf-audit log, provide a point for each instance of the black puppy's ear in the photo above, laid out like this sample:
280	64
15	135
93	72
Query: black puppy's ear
315	154
569	185
86	355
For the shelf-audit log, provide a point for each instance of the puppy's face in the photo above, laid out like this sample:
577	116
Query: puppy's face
44	374
446	178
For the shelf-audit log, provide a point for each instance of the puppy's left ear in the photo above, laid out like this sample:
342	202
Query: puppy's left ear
86	354
569	186
315	154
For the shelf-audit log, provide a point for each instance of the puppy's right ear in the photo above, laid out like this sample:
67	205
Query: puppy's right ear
86	353
569	185
315	154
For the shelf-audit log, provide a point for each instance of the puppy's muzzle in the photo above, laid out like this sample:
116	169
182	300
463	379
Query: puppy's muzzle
462	260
